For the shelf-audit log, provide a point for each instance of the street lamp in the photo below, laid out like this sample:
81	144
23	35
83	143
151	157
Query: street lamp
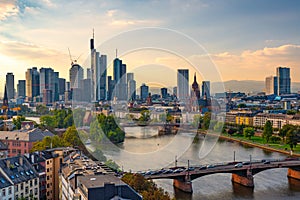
233	156
176	161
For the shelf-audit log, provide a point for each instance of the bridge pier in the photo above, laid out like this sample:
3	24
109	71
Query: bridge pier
243	180
292	173
185	186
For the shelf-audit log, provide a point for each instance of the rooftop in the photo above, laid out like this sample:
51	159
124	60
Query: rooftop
96	181
25	135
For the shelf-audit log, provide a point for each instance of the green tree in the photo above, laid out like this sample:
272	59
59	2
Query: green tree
206	120
48	142
48	121
219	127
145	116
291	138
42	110
248	132
71	137
268	131
18	121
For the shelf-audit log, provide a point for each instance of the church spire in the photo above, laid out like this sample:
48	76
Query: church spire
5	99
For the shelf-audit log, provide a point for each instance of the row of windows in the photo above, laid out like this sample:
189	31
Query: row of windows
4	191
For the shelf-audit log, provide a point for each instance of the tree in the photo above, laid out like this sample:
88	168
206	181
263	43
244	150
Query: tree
231	131
18	121
145	116
219	127
268	131
71	137
48	121
42	110
248	132
291	138
206	120
285	129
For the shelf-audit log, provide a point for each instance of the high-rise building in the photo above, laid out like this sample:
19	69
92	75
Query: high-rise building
98	73
175	91
182	84
164	92
49	84
86	90
21	88
120	89
271	85
61	86
284	80
76	75
88	73
10	85
110	88
206	89
144	89
131	89
32	83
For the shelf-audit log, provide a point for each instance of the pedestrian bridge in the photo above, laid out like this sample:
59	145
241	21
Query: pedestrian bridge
241	173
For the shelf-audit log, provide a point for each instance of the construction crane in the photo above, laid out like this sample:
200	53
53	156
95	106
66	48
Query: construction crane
75	60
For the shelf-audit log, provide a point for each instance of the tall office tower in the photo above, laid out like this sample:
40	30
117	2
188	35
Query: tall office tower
131	89
271	85
102	74
144	89
86	90
76	75
98	73
182	84
88	73
110	88
10	85
164	92
32	83
120	90
21	87
206	89
49	81
61	86
284	80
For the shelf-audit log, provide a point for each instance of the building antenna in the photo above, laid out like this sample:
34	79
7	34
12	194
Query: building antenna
116	53
93	33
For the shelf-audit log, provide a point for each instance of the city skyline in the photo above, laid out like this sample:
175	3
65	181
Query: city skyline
254	37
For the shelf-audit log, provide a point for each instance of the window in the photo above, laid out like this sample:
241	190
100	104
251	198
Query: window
30	183
3	192
35	181
26	189
35	191
17	188
9	190
22	186
31	192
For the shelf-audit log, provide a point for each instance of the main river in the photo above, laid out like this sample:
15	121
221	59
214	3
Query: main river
269	184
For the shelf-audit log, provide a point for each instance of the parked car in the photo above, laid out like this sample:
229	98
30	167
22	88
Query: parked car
210	166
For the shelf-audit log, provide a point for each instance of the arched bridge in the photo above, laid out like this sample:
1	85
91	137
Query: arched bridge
242	172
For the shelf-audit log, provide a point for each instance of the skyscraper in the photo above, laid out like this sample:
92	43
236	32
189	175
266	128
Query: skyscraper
98	73
21	88
271	85
32	83
49	81
182	84
206	89
120	89
164	92
144	89
10	85
76	75
284	80
131	89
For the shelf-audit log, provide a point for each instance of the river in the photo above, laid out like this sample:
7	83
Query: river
144	150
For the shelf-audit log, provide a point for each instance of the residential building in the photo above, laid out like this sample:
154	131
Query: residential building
21	141
20	173
6	188
284	80
182	84
10	85
277	120
244	119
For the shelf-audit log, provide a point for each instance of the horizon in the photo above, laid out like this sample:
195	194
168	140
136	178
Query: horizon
245	40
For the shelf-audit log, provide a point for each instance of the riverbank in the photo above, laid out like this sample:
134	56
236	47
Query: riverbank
249	143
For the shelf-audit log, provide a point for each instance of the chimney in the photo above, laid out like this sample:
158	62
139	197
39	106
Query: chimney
7	163
21	160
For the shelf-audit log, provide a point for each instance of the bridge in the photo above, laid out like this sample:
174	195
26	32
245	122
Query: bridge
242	172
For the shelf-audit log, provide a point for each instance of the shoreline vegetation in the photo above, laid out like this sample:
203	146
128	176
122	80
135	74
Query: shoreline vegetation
251	142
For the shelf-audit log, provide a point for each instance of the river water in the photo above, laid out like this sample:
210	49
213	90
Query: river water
143	150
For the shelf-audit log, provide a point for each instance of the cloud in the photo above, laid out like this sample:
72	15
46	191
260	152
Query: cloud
8	8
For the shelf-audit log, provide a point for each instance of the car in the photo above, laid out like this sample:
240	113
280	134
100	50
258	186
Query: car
267	162
191	168
210	166
238	165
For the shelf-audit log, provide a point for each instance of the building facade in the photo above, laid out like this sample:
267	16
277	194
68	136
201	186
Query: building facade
10	85
284	80
182	84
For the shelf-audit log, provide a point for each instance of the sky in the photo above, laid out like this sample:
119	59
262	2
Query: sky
244	39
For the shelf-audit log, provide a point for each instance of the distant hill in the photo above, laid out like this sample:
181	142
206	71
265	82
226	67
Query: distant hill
247	86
